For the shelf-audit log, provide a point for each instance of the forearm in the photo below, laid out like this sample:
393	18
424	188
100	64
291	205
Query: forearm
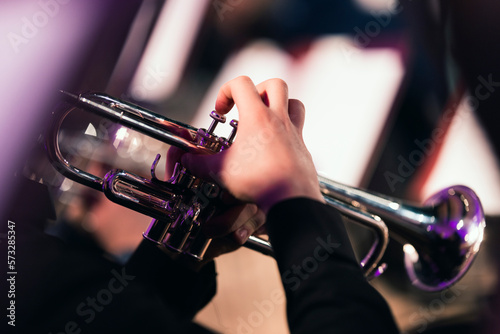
324	285
185	288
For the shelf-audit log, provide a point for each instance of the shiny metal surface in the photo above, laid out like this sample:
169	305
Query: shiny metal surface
441	239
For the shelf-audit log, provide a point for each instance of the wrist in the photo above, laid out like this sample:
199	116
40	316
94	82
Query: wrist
287	191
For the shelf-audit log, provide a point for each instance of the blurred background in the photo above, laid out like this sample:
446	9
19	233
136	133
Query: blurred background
401	98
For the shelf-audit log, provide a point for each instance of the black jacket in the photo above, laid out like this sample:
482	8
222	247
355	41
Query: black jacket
325	289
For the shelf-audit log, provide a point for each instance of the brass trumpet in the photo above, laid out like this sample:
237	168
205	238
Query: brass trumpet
441	239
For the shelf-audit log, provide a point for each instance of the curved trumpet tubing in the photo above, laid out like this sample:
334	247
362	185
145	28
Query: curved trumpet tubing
441	238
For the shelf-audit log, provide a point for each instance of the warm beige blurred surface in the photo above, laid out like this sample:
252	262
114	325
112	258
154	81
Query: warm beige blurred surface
250	297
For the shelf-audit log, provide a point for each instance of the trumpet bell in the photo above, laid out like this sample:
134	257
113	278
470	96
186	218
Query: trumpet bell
452	241
441	238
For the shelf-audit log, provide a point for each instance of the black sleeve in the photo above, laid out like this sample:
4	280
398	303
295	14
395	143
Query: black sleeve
185	289
325	287
60	287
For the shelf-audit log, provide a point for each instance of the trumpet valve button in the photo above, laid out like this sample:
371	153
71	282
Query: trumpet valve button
234	125
216	119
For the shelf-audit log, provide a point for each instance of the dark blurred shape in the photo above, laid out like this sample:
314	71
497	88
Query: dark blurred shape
474	34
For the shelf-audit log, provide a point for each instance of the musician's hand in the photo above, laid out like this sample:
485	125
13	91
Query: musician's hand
231	227
268	162
232	223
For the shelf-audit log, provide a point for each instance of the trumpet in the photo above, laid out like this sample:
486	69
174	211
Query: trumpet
440	238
